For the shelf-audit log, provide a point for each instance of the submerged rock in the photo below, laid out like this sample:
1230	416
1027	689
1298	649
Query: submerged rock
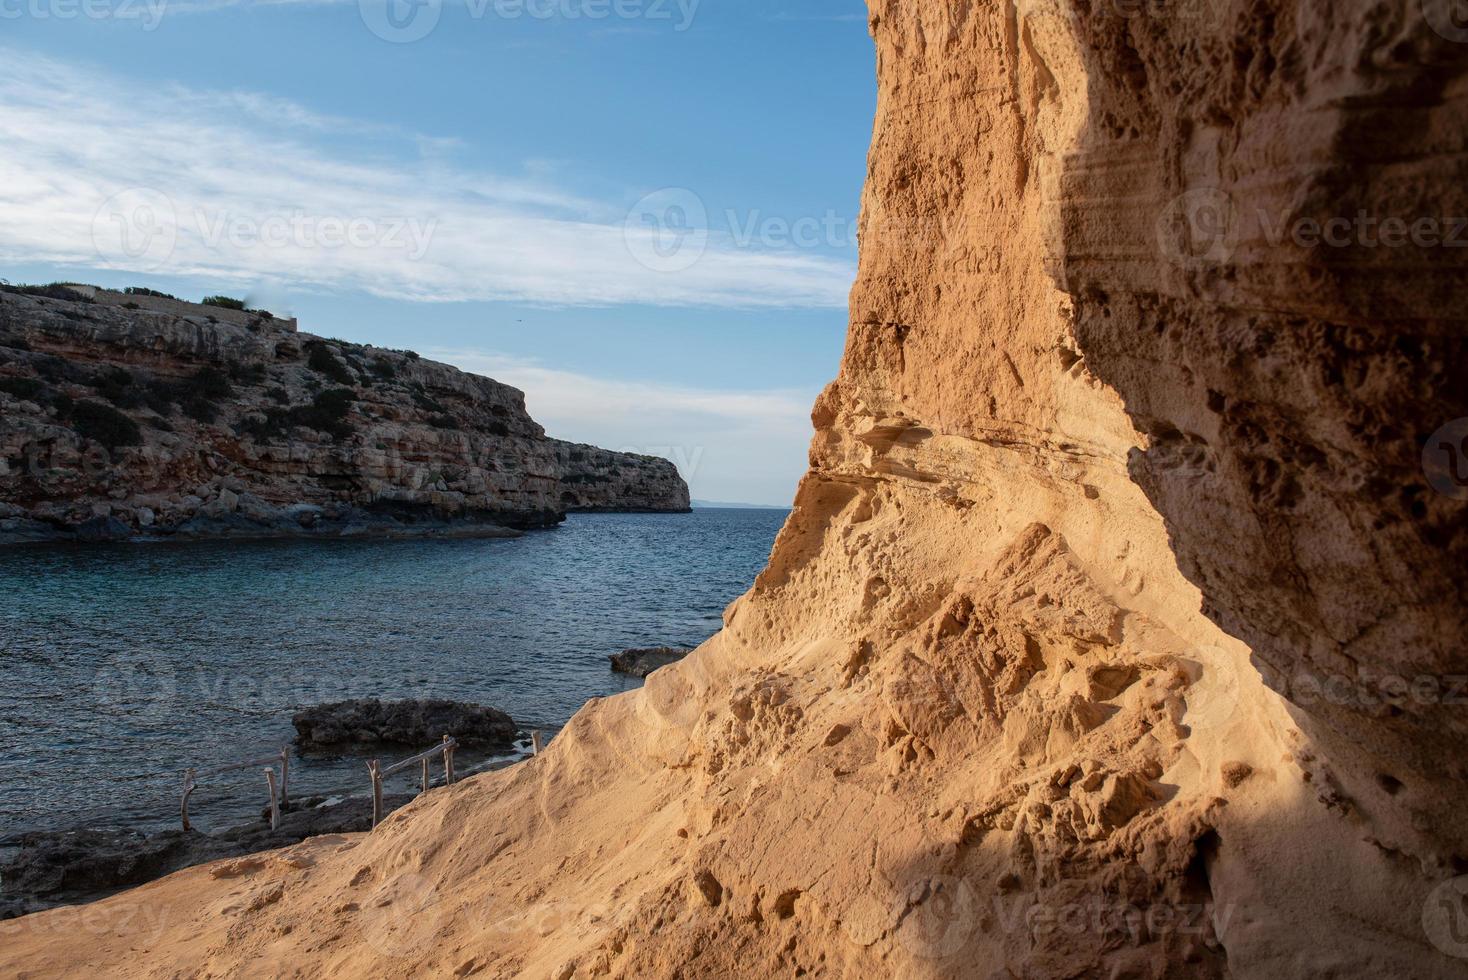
640	663
410	723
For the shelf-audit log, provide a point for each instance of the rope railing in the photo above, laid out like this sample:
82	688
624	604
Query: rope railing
277	793
378	773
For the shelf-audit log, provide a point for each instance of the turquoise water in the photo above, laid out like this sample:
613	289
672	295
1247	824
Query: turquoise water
124	665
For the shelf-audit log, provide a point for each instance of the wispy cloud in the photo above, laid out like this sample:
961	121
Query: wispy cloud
747	444
245	188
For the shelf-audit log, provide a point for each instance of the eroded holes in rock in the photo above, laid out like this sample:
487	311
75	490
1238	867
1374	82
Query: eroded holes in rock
709	887
1390	785
1109	682
785	904
1198	877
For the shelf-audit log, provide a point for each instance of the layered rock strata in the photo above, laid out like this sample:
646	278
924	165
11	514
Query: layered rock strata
183	421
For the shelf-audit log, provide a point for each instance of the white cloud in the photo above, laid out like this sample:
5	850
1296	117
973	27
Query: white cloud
247	188
749	446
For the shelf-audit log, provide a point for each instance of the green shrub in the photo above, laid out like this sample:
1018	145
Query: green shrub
497	428
160	396
200	410
105	424
428	404
249	374
209	383
27	389
53	290
327	413
384	369
116	385
270	424
279	395
224	302
54	368
144	291
324	362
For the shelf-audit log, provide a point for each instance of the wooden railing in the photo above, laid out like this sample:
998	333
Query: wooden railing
446	748
277	793
378	773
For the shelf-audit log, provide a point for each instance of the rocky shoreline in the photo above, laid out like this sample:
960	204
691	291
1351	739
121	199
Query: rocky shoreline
46	869
298	521
54	868
133	417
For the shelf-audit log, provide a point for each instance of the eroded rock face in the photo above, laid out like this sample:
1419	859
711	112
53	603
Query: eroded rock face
1108	481
169	422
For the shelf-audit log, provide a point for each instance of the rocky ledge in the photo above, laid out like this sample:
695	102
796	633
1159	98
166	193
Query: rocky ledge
410	723
132	415
51	868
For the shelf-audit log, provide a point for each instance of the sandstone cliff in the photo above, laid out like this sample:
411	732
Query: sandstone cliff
1070	660
127	415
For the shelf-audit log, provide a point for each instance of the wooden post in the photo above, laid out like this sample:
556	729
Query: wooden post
448	760
274	800
375	768
425	774
183	806
285	774
537	742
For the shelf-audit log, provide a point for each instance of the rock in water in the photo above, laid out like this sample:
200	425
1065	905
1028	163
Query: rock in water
640	663
415	724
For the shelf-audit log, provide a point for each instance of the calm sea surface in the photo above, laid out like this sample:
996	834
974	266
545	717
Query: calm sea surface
124	665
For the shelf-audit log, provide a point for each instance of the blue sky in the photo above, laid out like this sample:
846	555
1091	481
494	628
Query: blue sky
640	211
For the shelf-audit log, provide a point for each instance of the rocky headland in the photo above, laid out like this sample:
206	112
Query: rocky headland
126	415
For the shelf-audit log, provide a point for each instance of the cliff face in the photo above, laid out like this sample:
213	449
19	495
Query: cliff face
1082	652
186	420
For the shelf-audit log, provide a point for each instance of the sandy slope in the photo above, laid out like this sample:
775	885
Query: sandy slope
1094	466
